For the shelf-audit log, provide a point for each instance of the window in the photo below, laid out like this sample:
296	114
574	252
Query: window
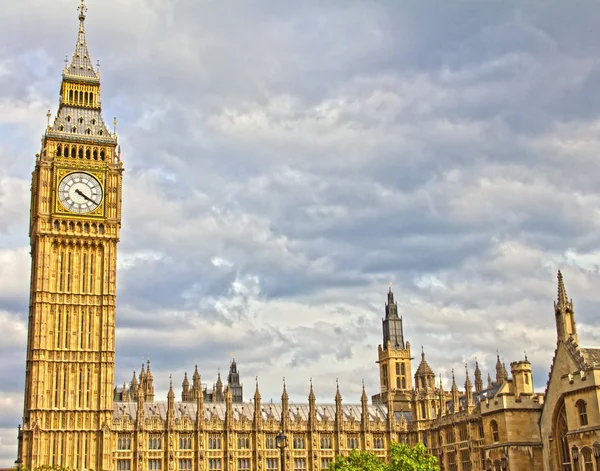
452	466
582	410
243	464
68	119
214	464
93	121
462	432
272	464
403	368
73	129
298	442
299	464
185	442
378	442
562	440
352	442
397	368
398	384
185	465
325	462
270	442
403	382
480	428
326	442
465	460
124	442
80	120
154	442
495	434
243	442
423	410
214	442
588	463
123	465
154	465
450	435
88	131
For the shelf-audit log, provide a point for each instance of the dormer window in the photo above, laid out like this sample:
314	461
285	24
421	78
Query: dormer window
74	129
88	131
80	120
94	121
68	119
61	128
101	132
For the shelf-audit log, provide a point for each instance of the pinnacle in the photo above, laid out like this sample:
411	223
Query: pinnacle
562	292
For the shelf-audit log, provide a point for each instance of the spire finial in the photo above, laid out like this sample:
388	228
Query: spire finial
562	292
115	125
82	9
48	115
525	355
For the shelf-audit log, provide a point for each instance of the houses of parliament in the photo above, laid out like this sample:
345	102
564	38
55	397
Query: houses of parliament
75	417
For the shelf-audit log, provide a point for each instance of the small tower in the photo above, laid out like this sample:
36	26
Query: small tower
521	378
364	403
312	408
424	376
185	389
468	391
219	388
171	404
499	371
394	360
455	395
285	409
149	383
196	384
564	313
257	409
133	387
233	383
478	380
339	412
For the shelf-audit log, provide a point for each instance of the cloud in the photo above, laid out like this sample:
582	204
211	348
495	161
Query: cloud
285	163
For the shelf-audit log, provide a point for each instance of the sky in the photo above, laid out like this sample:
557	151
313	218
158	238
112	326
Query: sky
287	161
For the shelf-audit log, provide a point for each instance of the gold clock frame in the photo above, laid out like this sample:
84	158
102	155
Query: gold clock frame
61	210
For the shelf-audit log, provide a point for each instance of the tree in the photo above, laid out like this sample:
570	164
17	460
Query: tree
402	458
405	458
358	461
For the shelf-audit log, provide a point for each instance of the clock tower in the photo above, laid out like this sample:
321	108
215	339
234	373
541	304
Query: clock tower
74	231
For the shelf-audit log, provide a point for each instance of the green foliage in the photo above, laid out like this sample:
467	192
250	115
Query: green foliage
358	460
402	458
405	458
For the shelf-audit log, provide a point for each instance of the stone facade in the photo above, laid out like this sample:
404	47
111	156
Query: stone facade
74	416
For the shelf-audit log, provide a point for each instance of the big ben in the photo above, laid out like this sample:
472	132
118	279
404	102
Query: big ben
74	231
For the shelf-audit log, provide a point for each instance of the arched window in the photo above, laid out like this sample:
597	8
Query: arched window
423	382
59	150
582	411
80	120
88	131
71	96
80	153
95	154
61	128
494	429
71	226
92	100
73	152
86	228
562	442
88	154
403	383
397	368
397	383
403	369
86	98
423	411
66	151
101	229
94	121
588	461
101	132
73	129
68	119
56	225
101	155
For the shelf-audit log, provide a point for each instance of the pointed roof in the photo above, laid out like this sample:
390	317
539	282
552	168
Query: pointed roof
81	63
424	369
196	376
284	395
338	395
185	383
171	393
363	397
562	299
468	384
454	387
311	394
257	393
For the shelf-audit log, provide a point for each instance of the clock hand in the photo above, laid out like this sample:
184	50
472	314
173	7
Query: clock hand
83	195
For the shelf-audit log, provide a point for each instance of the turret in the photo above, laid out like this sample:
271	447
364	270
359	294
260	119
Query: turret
149	383
364	403
196	384
185	389
455	396
257	408
312	408
285	409
499	371
424	376
441	398
521	378
468	390
564	314
133	387
339	412
478	380
219	387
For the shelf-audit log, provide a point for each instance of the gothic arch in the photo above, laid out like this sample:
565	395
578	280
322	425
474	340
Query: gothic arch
560	428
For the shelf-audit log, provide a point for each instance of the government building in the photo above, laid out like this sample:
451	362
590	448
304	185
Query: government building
76	417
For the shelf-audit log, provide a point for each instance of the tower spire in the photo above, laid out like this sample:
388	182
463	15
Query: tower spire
565	314
81	64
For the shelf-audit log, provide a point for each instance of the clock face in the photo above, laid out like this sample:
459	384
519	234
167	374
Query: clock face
80	192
